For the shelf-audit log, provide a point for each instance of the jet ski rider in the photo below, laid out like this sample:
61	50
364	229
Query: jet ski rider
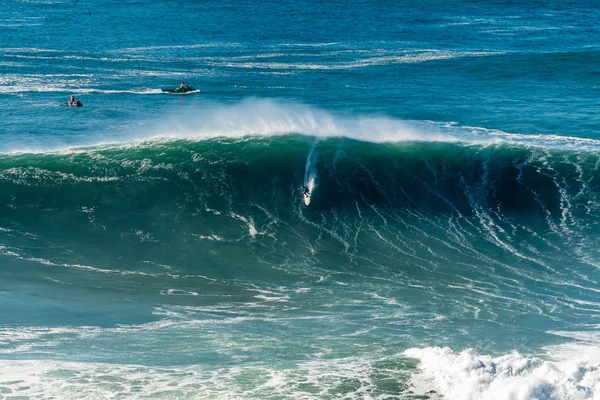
73	101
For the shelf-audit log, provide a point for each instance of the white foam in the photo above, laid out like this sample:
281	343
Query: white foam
348	378
186	46
34	50
326	44
468	375
78	90
377	58
212	237
248	221
178	292
592	337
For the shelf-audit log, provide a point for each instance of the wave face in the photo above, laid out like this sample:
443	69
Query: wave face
520	222
525	202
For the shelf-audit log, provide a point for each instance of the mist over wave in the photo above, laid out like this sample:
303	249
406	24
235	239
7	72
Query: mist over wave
264	117
254	117
270	117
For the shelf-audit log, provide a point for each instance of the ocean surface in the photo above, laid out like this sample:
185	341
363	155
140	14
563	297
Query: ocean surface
156	246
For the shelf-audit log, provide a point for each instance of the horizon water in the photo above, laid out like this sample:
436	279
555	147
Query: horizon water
157	246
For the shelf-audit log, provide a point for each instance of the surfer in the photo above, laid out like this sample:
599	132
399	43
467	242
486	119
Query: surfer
305	194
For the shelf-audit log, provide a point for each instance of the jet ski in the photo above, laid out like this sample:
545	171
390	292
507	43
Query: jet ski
185	90
76	103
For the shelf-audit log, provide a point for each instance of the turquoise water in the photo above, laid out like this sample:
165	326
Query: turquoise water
157	246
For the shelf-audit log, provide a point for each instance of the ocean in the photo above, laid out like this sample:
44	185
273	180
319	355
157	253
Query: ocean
157	245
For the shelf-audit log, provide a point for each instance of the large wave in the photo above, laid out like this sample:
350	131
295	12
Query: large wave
493	234
525	202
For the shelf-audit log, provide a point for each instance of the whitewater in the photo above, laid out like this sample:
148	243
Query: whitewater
158	246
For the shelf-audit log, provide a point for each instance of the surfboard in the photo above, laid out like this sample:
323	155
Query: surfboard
307	198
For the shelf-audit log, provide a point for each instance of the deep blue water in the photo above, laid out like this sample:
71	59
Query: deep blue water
157	246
